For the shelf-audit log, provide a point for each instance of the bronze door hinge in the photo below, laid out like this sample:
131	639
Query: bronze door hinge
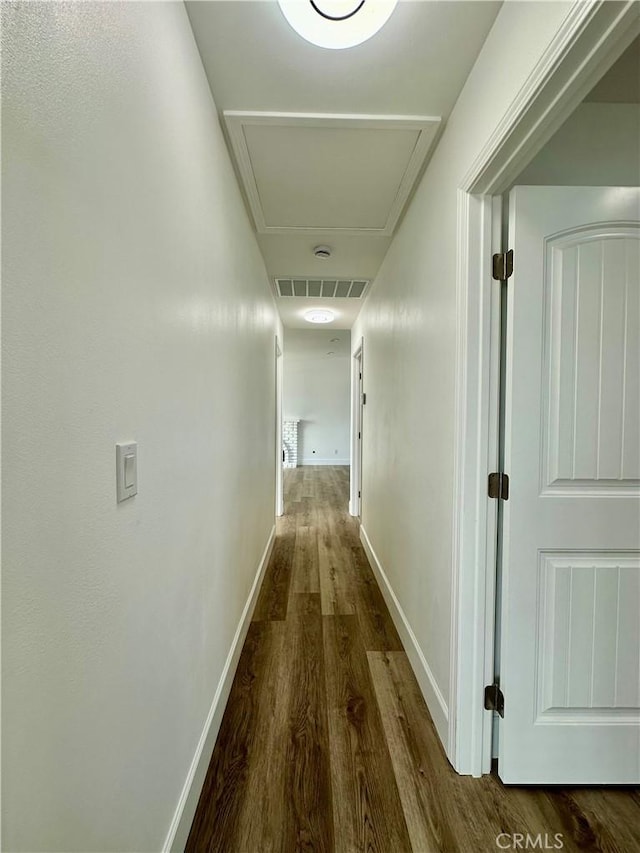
503	265
494	699
498	486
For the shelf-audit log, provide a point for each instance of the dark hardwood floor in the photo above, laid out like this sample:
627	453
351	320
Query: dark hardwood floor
326	743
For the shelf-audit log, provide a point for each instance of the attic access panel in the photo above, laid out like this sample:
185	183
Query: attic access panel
304	173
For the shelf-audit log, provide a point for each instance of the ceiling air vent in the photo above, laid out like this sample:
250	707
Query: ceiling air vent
325	287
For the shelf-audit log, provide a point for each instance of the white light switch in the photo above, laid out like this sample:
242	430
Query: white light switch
129	471
126	470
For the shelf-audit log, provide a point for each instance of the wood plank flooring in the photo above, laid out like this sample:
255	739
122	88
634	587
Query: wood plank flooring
326	743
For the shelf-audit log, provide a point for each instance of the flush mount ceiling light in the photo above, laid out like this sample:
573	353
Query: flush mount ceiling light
337	24
322	252
319	315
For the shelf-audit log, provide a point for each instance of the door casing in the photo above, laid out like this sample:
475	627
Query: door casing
355	488
592	37
279	460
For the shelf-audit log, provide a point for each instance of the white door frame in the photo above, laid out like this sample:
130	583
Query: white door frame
591	38
279	461
355	481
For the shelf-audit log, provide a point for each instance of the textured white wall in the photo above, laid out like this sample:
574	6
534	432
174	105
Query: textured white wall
317	389
136	306
409	327
598	145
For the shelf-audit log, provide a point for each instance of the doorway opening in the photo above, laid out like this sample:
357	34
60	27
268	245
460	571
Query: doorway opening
316	408
595	37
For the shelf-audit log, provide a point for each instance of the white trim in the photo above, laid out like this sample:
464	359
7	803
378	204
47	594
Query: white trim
478	332
279	445
237	120
426	679
355	482
590	39
489	442
181	824
331	461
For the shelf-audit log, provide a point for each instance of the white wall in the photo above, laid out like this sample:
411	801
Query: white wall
136	306
598	145
409	328
317	391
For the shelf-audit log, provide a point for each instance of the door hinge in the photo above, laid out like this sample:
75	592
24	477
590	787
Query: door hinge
364	399
503	265
283	456
494	699
358	435
359	495
498	486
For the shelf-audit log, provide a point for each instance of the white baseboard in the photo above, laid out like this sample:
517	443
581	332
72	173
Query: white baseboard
183	818
332	461
428	685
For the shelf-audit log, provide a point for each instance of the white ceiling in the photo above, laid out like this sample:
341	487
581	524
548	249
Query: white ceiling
415	66
317	343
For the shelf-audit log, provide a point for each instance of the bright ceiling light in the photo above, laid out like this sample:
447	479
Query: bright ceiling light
319	315
337	24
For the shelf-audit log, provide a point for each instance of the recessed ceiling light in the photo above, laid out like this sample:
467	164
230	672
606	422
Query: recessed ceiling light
319	315
337	24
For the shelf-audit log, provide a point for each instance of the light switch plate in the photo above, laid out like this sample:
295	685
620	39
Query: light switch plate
126	470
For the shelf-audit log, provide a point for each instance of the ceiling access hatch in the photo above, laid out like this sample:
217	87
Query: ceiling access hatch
316	288
305	173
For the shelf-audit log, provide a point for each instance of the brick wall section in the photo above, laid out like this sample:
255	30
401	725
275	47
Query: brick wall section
290	443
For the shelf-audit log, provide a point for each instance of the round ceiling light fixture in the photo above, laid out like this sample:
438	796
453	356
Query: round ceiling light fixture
319	315
337	24
323	252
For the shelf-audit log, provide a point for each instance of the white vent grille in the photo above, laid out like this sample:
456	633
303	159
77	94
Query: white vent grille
338	288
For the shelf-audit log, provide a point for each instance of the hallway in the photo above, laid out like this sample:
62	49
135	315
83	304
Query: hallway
326	743
190	191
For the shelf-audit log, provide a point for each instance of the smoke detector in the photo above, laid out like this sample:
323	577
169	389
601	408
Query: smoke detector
322	252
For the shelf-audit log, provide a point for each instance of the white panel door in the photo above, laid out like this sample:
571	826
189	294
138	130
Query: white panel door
570	645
